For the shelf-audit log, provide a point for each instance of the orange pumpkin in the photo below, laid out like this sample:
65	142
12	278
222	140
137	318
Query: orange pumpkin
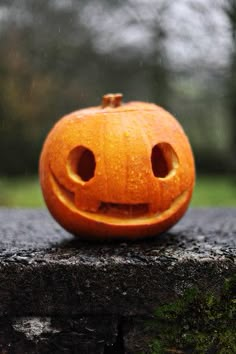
117	170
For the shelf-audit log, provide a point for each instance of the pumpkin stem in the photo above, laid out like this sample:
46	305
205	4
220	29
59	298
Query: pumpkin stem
112	100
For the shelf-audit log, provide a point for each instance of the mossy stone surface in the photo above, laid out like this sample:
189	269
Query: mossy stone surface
198	322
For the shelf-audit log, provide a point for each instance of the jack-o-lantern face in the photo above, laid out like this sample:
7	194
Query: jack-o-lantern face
117	170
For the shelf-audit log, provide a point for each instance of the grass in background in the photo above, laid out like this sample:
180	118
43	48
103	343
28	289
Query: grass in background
20	192
209	191
214	191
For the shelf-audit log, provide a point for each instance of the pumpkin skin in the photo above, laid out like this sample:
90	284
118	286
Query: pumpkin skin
117	170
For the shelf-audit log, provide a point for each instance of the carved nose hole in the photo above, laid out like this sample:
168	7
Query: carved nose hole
164	160
81	164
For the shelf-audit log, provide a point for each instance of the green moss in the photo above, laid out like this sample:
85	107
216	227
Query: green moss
196	323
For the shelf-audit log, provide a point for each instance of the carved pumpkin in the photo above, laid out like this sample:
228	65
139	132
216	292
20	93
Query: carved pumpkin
117	170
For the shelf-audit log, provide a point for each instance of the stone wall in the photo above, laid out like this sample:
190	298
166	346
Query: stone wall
171	294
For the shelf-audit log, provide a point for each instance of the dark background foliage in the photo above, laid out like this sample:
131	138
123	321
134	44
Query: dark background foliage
61	55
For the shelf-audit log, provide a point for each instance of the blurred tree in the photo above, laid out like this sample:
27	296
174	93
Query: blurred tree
53	63
62	55
37	82
230	10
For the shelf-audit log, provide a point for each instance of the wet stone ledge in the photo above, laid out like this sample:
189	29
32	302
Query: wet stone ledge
171	294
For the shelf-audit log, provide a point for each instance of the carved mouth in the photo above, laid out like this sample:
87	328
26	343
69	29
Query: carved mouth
123	210
115	213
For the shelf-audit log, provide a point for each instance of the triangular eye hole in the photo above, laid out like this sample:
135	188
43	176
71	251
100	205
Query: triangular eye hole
81	164
164	160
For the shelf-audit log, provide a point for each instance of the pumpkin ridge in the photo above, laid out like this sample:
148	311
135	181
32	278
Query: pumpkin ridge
123	122
104	130
146	144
